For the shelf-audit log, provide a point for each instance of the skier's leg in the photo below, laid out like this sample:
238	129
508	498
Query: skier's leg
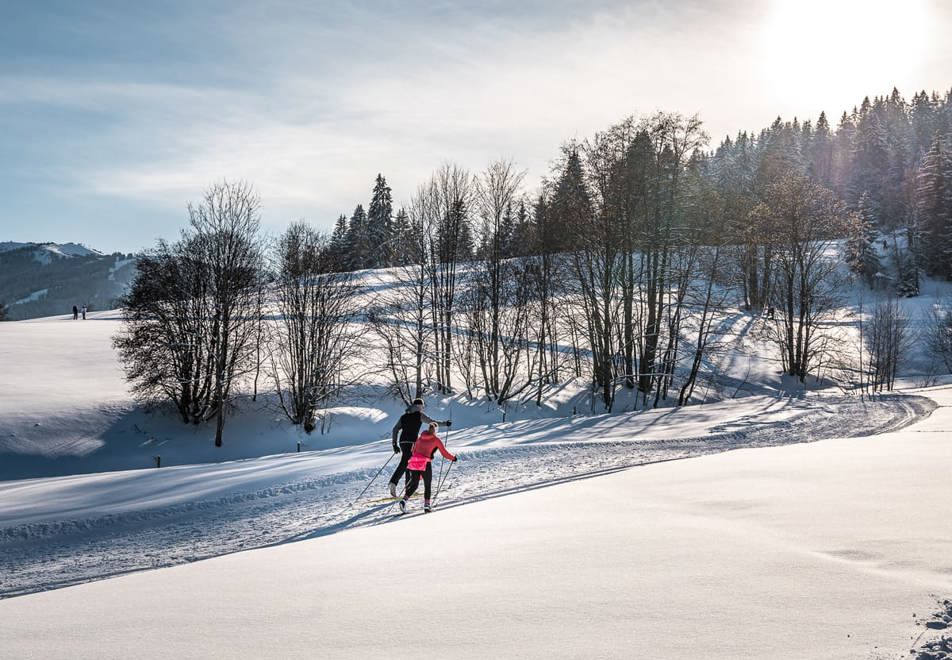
406	451
413	483
405	458
427	481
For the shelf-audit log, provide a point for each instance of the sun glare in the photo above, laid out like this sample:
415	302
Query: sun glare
822	50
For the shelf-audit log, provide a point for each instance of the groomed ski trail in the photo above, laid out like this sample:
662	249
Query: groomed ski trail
56	553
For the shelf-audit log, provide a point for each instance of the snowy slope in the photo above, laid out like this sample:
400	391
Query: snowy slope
825	549
70	412
56	532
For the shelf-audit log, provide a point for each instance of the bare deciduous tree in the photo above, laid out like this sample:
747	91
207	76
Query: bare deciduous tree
402	315
164	344
499	291
225	225
442	209
886	337
192	314
806	220
315	337
939	335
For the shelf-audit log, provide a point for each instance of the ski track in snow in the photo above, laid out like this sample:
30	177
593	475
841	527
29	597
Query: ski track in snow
49	555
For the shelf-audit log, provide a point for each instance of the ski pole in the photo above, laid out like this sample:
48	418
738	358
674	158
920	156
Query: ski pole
448	430
439	486
367	487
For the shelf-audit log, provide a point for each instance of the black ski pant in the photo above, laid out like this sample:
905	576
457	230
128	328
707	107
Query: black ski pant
406	450
415	475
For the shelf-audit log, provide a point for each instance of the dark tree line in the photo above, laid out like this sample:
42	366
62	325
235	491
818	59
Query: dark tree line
372	238
888	160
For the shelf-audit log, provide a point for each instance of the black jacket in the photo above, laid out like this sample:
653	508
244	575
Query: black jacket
409	425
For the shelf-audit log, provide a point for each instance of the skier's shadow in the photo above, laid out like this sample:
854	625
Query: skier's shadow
368	517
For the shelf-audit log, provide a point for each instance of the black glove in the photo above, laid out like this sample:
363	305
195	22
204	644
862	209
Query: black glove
455	458
448	423
396	449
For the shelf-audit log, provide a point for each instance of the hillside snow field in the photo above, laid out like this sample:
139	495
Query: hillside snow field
832	549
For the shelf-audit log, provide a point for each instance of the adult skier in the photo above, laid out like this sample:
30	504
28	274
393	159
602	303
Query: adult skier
404	434
421	465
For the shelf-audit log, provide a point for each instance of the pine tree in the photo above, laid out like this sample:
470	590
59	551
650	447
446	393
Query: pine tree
871	154
821	153
779	153
465	245
380	224
861	255
523	233
923	119
507	231
843	153
402	239
339	253
571	205
358	240
934	208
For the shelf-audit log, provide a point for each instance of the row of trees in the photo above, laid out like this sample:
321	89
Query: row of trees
615	271
198	323
888	160
627	256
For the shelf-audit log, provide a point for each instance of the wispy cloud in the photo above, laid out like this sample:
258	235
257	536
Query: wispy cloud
310	103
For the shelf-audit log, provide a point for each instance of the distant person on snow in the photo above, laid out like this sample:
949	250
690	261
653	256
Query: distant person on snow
421	465
84	312
404	434
75	312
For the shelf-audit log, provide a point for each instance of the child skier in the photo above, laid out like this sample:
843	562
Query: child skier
420	465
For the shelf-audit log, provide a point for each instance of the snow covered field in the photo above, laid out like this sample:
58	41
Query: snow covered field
745	554
830	549
60	531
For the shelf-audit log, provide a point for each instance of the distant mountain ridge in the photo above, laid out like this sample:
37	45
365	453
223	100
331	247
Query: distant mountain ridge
47	279
60	249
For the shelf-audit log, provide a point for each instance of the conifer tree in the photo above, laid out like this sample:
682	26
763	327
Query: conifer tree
861	255
922	116
380	224
359	244
338	247
934	208
402	239
571	205
821	153
843	153
507	231
523	234
870	164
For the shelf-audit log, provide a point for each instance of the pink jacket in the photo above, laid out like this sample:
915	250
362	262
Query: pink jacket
424	449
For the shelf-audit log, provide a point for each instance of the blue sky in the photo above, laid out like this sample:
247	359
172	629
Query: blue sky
114	115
